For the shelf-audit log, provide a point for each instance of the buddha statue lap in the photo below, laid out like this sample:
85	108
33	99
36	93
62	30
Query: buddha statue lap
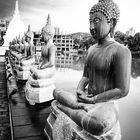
92	109
29	59
40	85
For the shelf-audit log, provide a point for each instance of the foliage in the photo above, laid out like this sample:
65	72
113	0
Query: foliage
120	37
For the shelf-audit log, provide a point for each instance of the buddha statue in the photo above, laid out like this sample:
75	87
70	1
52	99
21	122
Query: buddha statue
30	49
40	85
18	47
29	59
106	78
23	46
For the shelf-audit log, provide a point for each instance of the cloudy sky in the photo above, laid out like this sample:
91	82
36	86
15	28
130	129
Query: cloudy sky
69	15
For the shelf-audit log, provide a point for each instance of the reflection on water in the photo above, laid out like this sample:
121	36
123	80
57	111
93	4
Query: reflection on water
130	106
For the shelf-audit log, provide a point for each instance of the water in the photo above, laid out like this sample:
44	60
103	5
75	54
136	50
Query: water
130	106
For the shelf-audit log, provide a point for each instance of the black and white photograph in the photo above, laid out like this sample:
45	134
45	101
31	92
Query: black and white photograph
69	70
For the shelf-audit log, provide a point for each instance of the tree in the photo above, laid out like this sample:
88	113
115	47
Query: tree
130	41
136	41
120	37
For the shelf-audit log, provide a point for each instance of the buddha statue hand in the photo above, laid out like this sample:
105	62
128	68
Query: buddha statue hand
80	92
89	99
32	69
35	75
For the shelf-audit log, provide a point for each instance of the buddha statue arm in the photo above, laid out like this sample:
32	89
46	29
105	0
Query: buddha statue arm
83	82
122	72
67	98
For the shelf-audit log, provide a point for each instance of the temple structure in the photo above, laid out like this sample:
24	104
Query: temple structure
16	27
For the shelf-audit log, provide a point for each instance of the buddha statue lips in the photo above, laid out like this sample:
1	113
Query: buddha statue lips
40	85
93	33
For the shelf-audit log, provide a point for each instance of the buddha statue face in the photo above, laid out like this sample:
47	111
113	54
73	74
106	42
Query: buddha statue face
46	36
28	39
99	26
103	18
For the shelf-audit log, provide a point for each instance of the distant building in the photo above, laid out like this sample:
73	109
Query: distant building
3	26
65	51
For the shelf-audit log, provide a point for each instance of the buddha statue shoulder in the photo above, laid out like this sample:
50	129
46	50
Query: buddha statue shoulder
106	78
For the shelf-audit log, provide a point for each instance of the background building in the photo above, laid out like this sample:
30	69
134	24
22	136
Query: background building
3	28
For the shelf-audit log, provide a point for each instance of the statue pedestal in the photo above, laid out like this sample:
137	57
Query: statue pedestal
39	94
22	75
60	127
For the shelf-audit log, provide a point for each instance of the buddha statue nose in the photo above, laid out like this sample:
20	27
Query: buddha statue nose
92	26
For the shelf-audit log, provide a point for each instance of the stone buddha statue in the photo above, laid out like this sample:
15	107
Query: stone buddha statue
29	58
106	78
40	84
23	45
30	49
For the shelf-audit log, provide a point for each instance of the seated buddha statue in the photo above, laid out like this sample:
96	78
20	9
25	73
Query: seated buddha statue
23	46
13	50
29	59
30	49
106	78
18	47
22	49
40	85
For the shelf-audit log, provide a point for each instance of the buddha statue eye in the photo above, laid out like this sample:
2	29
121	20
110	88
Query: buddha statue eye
96	20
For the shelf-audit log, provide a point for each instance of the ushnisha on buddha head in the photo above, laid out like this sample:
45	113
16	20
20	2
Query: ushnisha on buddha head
103	18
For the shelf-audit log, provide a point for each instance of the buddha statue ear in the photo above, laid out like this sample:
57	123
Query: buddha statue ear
112	27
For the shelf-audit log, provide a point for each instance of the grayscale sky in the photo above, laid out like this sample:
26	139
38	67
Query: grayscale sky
69	15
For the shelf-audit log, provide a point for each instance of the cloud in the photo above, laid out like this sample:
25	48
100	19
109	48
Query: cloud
6	8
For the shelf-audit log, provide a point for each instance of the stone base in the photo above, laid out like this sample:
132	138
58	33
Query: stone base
22	75
39	95
60	127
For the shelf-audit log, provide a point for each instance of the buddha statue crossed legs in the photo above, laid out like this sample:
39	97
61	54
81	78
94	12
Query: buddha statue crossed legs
40	85
106	76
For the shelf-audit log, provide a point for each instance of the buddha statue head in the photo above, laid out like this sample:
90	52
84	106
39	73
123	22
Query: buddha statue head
48	30
29	35
103	18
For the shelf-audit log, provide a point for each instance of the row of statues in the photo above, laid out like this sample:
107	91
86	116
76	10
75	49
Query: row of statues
106	78
39	76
